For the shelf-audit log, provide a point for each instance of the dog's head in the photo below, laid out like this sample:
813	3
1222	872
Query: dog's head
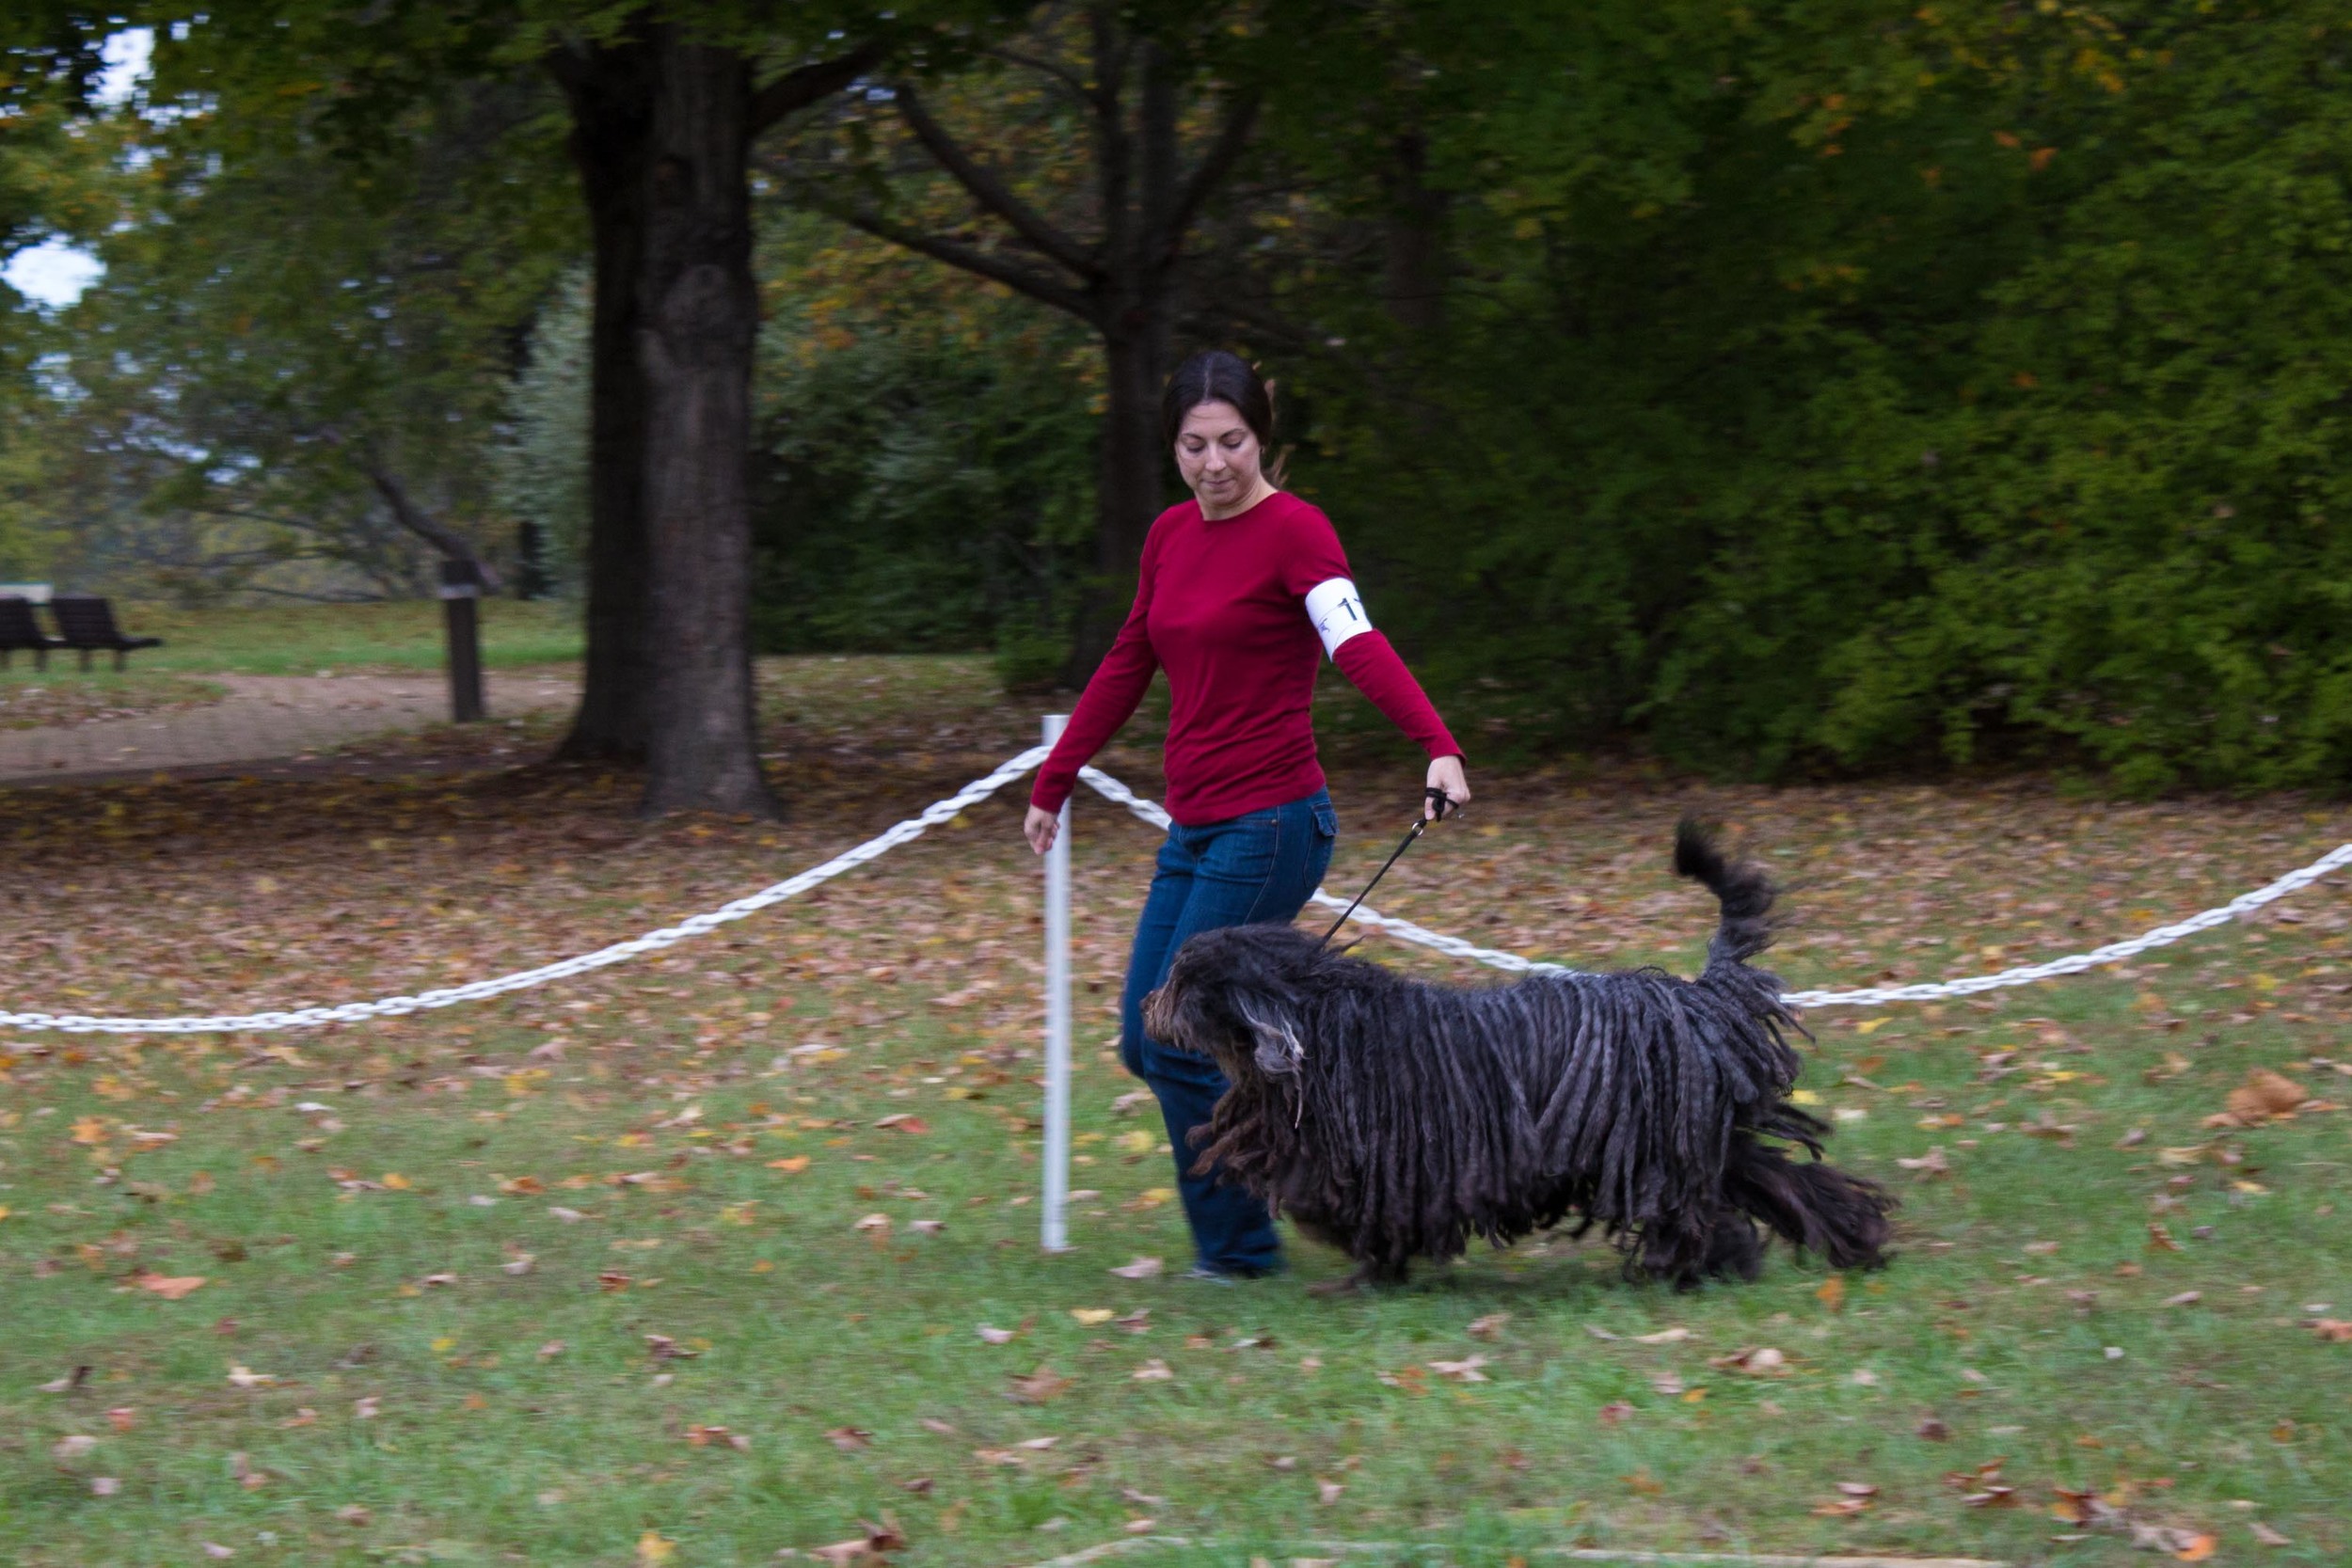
1237	996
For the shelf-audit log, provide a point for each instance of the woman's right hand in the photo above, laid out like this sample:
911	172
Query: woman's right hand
1042	826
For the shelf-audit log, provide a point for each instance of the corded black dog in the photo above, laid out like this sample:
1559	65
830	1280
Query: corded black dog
1394	1119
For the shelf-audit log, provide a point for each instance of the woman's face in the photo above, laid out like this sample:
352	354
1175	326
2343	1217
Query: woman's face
1217	455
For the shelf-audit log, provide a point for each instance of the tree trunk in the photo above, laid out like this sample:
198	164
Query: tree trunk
1412	282
1131	490
611	93
698	317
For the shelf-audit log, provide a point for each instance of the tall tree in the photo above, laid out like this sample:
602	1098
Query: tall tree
1165	109
663	118
664	100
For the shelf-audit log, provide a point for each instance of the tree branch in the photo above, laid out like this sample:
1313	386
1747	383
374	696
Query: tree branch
454	546
1232	139
797	89
1068	78
987	189
1039	286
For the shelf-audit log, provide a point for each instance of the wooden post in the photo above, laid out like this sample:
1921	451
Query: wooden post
461	591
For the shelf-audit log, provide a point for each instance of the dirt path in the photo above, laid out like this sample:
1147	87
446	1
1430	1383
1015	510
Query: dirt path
262	718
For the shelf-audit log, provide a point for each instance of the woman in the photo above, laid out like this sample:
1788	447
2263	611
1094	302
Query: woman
1240	590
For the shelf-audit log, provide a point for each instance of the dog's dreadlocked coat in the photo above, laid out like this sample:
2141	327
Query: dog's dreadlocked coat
1394	1119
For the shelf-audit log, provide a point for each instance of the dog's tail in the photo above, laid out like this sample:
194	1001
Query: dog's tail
1839	1218
1744	891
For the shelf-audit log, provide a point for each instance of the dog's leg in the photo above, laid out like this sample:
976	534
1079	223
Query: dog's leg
1839	1217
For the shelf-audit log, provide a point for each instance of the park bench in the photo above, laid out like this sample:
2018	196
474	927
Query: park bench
88	625
19	629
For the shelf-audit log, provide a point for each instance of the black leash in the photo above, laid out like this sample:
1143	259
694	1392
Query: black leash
1433	799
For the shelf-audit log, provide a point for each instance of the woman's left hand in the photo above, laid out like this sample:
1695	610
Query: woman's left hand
1446	773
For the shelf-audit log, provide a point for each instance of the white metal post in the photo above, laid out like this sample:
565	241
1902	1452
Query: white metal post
1055	1233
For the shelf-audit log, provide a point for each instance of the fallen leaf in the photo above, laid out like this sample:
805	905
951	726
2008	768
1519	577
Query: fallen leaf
367	1408
1489	1328
106	1487
2266	1094
2187	1298
1040	1386
353	1514
1090	1316
569	1216
2261	1533
1930	1164
1461	1372
1933	1430
66	1449
2337	1331
1832	1292
652	1550
171	1288
1153	1371
122	1417
1613	1412
1663	1336
997	1336
1142	1268
849	1439
1754	1360
245	1377
246	1476
792	1165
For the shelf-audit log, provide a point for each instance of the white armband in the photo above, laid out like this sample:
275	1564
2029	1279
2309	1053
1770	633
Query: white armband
1336	613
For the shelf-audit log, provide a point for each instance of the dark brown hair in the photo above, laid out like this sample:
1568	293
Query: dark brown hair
1213	375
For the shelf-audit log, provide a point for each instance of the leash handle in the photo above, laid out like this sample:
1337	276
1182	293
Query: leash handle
1433	798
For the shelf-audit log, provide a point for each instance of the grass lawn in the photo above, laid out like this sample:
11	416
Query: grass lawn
61	696
304	638
481	1286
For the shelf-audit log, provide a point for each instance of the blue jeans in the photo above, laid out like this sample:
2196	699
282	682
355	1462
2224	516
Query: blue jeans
1258	866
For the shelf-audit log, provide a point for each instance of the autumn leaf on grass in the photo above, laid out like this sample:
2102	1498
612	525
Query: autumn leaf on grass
1852	1498
790	1166
246	1476
1090	1316
1489	1328
1038	1387
849	1439
652	1550
1461	1372
245	1377
1153	1371
2335	1331
65	1450
1411	1380
703	1436
1929	1166
2263	1095
997	1336
1663	1336
1142	1268
171	1288
1754	1360
661	1347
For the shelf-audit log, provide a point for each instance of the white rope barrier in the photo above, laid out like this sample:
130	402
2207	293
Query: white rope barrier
2073	963
1111	789
652	941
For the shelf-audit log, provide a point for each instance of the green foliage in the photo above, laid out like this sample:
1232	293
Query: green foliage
542	472
2003	422
928	461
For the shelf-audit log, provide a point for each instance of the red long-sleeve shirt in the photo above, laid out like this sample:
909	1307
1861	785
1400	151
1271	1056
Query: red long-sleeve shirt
1221	607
